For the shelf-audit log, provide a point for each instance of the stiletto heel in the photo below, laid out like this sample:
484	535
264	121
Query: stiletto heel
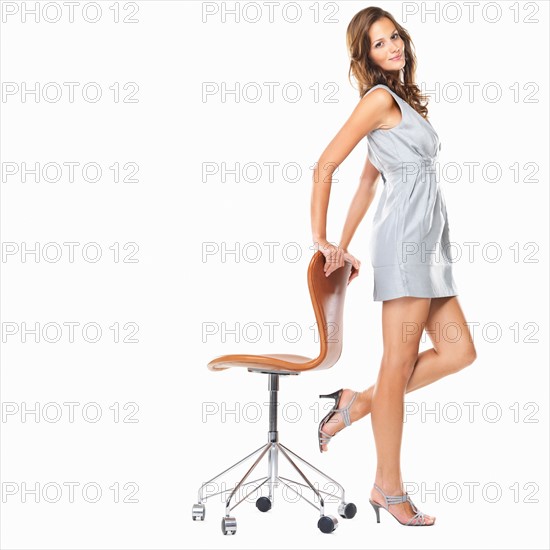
335	395
376	509
323	437
419	517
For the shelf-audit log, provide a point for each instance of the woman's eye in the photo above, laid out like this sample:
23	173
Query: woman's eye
396	35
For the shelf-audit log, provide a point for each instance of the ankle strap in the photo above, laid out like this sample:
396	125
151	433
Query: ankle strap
392	499
345	410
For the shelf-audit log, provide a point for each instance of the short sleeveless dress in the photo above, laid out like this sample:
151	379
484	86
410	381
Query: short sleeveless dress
410	239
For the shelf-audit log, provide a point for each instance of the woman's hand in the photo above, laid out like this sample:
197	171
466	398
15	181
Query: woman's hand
355	266
336	257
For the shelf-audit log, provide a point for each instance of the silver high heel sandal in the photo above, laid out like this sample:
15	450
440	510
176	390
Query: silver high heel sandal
419	517
324	438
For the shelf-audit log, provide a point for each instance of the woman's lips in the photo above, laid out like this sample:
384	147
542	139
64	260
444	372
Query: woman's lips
396	58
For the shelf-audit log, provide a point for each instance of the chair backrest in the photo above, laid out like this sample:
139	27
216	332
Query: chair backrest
328	295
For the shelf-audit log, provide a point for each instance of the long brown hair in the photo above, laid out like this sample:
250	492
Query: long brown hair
368	74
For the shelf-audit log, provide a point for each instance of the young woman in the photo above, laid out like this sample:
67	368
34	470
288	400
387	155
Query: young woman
412	274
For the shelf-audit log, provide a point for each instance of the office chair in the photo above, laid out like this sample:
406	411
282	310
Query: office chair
327	296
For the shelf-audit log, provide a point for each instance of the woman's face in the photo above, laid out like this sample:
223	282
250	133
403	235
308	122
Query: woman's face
387	48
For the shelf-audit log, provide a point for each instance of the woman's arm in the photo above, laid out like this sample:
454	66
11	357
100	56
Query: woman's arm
360	203
368	115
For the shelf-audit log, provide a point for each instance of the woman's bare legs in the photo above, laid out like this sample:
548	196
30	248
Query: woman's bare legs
453	350
402	370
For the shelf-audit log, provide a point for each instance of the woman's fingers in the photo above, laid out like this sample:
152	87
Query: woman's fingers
333	264
336	257
355	267
333	259
354	273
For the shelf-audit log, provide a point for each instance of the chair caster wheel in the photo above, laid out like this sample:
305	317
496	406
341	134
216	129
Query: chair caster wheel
263	504
229	526
198	512
327	524
347	510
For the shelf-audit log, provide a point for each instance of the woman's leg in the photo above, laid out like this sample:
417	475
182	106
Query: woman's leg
401	342
453	350
453	346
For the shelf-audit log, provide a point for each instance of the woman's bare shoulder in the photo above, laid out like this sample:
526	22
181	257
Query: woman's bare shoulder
378	95
375	105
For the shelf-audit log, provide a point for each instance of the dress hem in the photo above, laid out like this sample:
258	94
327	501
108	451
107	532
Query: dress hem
413	280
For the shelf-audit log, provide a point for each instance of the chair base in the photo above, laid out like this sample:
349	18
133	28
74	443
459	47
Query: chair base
326	523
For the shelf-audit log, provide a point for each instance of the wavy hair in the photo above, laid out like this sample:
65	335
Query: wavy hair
368	74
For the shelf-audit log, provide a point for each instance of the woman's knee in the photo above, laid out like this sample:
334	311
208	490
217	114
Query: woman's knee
469	356
463	358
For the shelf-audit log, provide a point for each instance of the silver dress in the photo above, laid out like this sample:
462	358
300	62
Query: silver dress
409	245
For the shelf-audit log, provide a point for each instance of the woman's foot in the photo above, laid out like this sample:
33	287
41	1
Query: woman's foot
359	408
402	511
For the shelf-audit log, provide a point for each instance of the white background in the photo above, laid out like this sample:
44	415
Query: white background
173	291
